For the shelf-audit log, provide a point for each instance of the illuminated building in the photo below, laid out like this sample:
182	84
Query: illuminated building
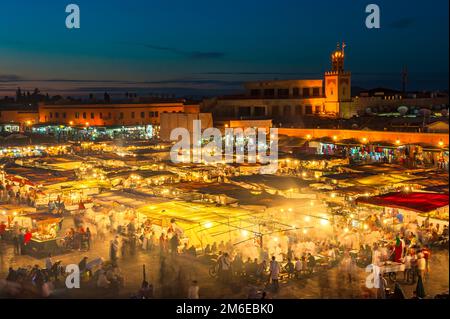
293	98
111	114
292	101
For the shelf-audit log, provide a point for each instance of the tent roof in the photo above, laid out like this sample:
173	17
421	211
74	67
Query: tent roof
419	202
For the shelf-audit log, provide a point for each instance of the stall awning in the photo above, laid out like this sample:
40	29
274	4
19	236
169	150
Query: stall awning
418	202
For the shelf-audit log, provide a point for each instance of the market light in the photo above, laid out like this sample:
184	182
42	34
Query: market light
87	123
305	231
441	143
333	195
308	137
364	139
334	138
365	226
290	209
275	239
244	233
304	174
397	142
307	219
385	221
346	230
324	222
28	122
352	216
208	225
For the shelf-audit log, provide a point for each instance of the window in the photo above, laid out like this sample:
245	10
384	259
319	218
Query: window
317	109
100	115
109	115
308	109
275	111
56	115
64	115
151	114
92	115
255	92
132	115
244	111
156	113
316	91
305	92
51	115
77	115
260	111
283	92
269	92
121	115
295	91
84	115
142	115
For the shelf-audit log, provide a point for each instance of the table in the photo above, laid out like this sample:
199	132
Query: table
391	268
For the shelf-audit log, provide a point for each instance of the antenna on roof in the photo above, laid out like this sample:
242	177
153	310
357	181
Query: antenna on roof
404	78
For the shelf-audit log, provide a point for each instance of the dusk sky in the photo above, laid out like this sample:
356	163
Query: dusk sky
209	47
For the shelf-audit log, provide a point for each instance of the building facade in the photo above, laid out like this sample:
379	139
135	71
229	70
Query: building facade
111	114
291	99
17	117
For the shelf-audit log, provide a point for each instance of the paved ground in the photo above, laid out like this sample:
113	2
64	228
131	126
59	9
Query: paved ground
182	270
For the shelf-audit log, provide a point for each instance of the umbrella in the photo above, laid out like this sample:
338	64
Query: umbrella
398	292
420	290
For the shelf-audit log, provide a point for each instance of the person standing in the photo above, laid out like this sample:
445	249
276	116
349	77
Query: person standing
88	237
174	243
193	290
2	229
48	262
298	267
347	267
162	244
421	265
311	263
427	255
407	261
114	248
226	267
274	269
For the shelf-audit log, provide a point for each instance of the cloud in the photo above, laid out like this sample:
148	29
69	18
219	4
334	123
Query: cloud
402	23
10	78
193	55
259	73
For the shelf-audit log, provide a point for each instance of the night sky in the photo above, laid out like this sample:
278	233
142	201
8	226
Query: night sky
210	47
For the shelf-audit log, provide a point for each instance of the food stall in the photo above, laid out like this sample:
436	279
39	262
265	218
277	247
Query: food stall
413	206
44	240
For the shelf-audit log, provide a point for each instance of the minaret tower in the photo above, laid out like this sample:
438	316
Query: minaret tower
338	97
